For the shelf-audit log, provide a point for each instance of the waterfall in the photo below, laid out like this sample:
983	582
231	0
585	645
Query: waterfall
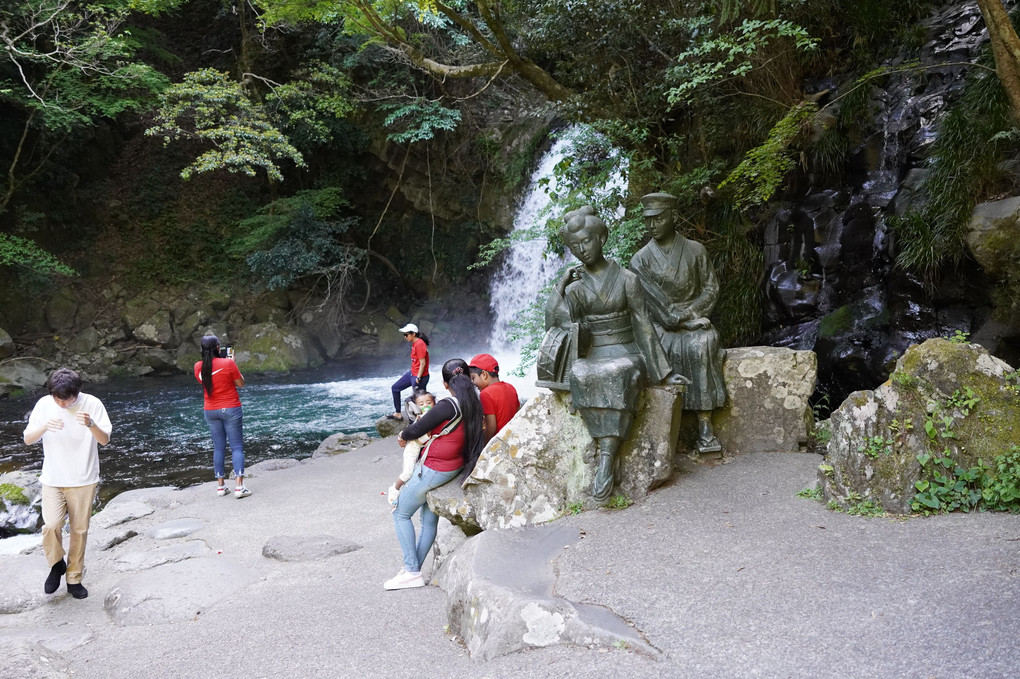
526	269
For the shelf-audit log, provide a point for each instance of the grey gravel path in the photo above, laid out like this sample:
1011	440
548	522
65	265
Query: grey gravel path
726	572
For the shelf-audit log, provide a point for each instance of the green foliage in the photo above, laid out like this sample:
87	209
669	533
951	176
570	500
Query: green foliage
765	167
959	337
619	501
1000	488
858	506
209	106
69	62
874	446
718	56
299	236
575	508
813	493
25	254
965	164
418	120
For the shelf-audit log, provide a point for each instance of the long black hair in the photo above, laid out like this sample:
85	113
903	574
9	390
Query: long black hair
423	337
455	374
210	349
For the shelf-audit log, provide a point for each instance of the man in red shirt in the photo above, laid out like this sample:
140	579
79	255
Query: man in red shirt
499	399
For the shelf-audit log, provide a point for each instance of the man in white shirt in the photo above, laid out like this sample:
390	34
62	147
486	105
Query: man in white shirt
71	426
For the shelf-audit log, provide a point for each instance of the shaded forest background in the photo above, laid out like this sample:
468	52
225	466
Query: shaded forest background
370	152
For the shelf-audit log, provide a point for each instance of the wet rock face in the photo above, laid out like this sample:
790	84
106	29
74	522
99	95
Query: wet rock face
944	399
831	282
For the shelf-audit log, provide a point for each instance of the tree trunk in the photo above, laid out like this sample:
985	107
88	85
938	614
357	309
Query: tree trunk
1006	50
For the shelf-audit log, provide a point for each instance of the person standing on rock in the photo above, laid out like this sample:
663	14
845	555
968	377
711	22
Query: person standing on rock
72	426
418	376
455	424
220	380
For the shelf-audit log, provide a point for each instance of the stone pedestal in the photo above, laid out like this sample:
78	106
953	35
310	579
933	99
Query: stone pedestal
767	407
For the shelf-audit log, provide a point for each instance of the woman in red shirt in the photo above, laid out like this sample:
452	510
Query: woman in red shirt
418	376
456	428
220	379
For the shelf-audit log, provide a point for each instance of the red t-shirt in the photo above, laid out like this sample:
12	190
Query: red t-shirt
500	399
224	393
419	351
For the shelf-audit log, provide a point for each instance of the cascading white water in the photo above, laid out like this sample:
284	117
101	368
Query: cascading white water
526	269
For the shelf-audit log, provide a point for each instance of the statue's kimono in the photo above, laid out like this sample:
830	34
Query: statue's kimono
617	349
683	278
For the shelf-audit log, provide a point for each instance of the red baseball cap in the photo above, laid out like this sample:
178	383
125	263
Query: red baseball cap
485	362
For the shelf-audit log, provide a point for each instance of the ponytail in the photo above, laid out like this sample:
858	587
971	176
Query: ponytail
455	374
423	337
210	343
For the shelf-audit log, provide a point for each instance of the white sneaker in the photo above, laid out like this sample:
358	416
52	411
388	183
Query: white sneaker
241	491
404	580
222	490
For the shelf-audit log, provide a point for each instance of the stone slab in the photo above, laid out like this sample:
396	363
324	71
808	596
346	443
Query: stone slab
175	592
306	548
150	558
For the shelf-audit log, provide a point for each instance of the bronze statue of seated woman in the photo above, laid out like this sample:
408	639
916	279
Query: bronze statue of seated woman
610	349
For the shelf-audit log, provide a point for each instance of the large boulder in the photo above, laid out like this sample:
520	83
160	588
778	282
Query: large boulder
993	236
20	501
61	310
28	374
945	400
156	329
541	464
266	347
6	345
500	588
767	408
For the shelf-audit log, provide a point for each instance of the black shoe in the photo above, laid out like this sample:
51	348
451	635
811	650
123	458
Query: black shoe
53	579
77	591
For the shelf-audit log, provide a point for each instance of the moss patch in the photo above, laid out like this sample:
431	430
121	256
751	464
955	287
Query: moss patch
13	494
836	323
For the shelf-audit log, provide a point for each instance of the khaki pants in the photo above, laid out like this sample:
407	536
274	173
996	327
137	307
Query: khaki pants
75	503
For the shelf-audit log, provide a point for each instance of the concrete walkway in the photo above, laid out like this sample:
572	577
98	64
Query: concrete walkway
726	573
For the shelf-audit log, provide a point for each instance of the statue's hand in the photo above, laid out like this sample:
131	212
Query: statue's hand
572	274
679	314
697	324
676	380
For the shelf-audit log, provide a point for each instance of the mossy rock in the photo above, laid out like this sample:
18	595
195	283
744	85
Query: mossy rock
13	494
943	399
265	347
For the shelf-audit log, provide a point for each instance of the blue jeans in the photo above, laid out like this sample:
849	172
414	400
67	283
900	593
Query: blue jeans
224	424
406	380
410	500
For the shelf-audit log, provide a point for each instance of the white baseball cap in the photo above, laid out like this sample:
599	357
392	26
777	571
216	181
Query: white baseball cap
410	327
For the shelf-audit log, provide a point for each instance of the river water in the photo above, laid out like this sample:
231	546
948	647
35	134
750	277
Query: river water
160	436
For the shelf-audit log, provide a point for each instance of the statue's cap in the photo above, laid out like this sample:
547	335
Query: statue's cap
654	203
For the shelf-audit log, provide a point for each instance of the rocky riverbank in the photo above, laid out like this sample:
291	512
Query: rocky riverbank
114	333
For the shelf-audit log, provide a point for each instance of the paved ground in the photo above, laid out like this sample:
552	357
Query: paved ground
726	572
